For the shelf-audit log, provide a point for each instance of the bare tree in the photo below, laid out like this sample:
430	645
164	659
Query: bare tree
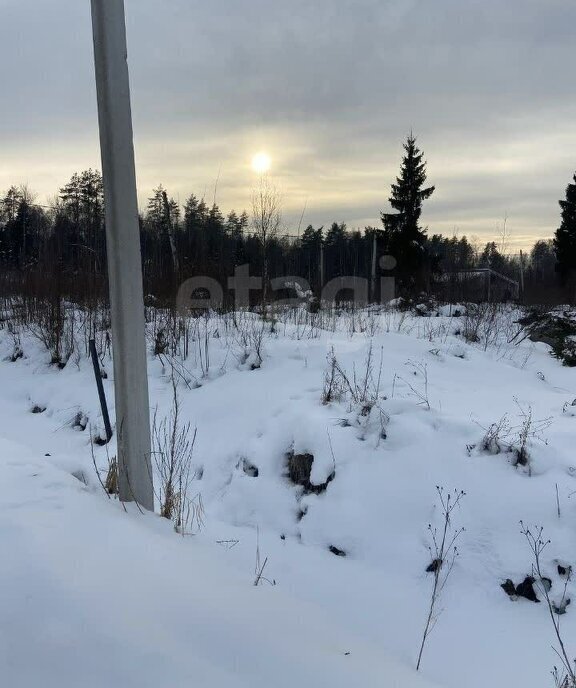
266	219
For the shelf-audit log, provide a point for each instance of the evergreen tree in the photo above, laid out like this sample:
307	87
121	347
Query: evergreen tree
195	241
23	233
565	237
404	238
162	220
310	249
71	195
193	216
215	237
493	259
543	260
232	221
235	227
82	201
10	203
336	251
466	254
450	254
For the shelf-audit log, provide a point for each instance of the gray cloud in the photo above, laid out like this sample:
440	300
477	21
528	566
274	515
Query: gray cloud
329	88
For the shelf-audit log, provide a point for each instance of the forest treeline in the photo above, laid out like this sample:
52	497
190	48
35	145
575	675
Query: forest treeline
62	246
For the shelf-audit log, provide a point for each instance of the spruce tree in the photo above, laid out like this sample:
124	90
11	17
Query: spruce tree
492	258
310	249
543	261
404	238
10	203
336	245
565	237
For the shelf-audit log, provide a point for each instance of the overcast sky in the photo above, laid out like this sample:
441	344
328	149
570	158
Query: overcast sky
328	88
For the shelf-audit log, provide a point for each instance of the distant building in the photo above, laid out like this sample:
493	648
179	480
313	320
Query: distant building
478	284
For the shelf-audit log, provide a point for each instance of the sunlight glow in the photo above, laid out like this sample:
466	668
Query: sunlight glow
261	163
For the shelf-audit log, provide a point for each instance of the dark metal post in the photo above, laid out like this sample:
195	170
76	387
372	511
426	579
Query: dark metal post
100	386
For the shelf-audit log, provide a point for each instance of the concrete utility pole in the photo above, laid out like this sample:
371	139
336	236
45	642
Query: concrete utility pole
124	257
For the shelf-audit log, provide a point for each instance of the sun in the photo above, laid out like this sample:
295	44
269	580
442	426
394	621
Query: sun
261	163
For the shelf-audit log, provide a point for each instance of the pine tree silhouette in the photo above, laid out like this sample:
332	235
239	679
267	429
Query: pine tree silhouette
565	237
404	238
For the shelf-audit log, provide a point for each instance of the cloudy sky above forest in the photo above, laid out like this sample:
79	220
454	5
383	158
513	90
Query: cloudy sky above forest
328	88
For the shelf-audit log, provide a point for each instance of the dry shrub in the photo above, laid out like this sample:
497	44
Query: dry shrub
172	448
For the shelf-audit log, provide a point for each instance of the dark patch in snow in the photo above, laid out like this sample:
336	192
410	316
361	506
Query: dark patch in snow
561	608
509	588
337	551
521	457
434	566
249	469
80	421
17	354
300	470
526	589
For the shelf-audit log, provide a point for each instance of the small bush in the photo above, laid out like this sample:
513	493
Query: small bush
172	447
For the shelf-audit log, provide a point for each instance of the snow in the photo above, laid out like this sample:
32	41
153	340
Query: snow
94	595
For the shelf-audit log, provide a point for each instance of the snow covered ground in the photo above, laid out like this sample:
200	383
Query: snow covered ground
94	596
